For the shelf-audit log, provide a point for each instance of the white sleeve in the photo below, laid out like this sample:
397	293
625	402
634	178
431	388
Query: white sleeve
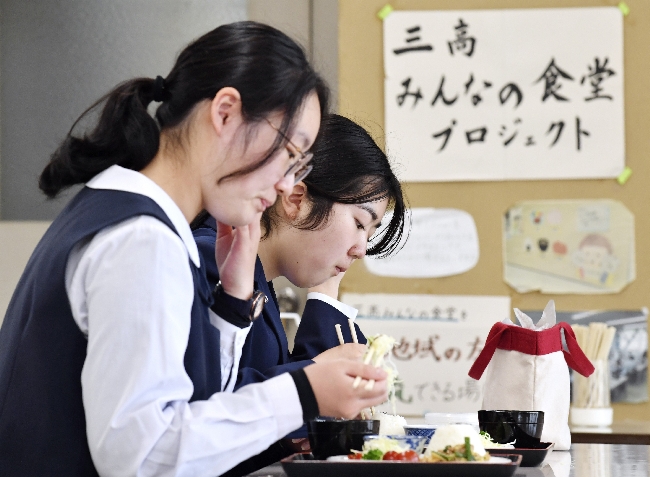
347	310
132	287
232	343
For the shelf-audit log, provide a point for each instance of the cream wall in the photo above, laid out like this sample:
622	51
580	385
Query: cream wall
17	241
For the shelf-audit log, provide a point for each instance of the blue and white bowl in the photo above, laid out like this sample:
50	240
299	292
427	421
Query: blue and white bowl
421	430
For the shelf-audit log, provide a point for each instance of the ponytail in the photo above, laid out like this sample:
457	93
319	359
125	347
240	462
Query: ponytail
269	69
125	134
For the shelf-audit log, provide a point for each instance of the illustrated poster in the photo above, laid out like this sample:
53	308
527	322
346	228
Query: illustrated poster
571	246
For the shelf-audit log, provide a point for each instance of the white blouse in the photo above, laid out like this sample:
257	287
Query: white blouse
131	291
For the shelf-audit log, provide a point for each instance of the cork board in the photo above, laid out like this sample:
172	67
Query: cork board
361	97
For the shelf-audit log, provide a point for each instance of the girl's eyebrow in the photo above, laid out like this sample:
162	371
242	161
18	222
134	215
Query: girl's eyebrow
305	140
368	209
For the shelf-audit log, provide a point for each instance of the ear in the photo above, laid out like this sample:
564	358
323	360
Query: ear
226	111
295	202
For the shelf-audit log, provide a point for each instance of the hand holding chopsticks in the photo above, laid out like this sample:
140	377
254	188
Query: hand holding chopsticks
367	359
373	354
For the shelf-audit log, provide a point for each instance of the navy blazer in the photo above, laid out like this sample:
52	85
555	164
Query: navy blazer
42	350
266	352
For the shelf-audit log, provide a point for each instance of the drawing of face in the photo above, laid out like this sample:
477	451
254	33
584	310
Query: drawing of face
595	259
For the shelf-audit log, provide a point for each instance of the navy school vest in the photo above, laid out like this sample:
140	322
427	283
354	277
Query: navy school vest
42	350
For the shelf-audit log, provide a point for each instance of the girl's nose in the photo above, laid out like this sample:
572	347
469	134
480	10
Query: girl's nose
285	185
358	251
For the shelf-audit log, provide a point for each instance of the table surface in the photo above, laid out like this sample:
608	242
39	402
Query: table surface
620	432
583	460
624	432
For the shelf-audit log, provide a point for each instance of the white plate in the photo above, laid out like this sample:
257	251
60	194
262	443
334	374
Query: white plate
338	458
497	460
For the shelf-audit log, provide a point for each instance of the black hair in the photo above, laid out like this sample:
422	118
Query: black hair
269	70
349	168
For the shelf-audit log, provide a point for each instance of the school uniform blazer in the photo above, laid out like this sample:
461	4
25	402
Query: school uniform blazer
152	404
266	352
42	350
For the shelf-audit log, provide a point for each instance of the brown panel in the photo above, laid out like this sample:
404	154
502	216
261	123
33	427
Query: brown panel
361	98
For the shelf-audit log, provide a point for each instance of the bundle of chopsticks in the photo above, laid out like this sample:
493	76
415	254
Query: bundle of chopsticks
595	341
366	360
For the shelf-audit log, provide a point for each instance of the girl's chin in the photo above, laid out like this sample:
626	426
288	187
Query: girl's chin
237	220
307	282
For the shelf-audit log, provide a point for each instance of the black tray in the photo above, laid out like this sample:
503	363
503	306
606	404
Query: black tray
304	465
529	457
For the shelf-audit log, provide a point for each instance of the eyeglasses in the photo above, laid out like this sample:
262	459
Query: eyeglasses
300	168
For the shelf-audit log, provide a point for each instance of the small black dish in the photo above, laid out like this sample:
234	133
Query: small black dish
529	457
330	436
522	427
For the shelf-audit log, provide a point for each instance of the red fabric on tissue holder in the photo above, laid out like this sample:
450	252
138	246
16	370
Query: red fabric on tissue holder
535	343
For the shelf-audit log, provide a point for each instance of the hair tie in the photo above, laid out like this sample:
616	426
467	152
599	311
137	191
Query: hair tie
159	89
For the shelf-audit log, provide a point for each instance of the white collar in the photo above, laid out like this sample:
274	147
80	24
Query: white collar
118	178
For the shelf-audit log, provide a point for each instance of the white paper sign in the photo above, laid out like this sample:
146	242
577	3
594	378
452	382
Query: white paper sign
505	94
439	339
441	242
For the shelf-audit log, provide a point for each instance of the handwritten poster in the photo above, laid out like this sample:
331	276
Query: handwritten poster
439	337
571	246
505	94
441	242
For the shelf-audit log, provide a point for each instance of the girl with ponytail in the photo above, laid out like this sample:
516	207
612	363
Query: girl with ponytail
110	351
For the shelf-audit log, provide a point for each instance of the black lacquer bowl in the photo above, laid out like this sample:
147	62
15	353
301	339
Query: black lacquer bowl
522	427
329	436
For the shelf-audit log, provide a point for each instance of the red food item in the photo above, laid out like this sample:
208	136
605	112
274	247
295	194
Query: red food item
393	455
355	456
406	456
411	456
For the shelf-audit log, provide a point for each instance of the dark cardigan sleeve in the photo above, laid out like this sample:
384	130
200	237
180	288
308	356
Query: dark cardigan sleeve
317	333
